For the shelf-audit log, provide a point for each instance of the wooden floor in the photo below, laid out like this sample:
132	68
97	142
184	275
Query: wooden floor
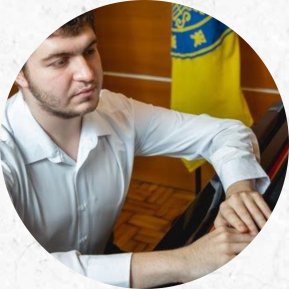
147	215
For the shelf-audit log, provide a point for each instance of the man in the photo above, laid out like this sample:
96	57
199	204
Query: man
67	152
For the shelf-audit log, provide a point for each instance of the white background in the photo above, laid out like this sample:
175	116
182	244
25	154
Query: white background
25	24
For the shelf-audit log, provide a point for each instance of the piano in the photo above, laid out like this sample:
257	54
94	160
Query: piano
198	219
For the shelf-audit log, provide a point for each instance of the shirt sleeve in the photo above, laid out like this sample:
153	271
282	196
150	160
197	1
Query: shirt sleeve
230	146
111	269
9	179
8	173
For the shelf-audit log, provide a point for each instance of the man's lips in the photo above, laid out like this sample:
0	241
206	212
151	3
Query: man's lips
86	91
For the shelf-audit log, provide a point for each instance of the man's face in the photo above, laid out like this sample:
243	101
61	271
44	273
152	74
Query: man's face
64	75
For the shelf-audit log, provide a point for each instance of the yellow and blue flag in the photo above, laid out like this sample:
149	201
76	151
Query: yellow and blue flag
205	68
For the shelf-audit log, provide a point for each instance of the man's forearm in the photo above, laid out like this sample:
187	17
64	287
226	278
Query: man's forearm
156	268
190	262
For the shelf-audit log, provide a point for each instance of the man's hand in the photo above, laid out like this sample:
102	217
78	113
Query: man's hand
243	209
152	269
213	251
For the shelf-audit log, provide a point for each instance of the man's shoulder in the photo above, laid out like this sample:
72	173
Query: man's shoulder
112	101
12	106
6	139
13	100
11	157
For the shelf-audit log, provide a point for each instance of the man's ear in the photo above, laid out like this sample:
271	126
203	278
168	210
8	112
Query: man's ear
21	80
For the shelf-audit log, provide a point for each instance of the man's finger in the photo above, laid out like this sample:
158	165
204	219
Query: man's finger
237	237
259	200
246	217
255	212
233	219
237	248
220	221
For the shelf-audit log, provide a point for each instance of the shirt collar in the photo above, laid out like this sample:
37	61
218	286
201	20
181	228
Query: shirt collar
34	142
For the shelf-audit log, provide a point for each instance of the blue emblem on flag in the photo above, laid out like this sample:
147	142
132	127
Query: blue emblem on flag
194	33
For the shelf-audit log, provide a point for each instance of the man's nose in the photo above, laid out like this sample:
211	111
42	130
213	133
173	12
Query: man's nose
83	70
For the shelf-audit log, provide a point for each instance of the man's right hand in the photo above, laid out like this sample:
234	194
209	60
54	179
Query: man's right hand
212	252
188	263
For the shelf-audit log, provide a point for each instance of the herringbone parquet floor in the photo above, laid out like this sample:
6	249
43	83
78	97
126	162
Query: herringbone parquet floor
147	215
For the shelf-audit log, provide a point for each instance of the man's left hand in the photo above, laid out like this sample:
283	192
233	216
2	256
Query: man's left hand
244	209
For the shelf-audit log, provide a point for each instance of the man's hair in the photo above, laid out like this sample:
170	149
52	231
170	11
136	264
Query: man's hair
75	26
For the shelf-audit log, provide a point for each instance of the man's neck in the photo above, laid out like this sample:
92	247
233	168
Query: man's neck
64	132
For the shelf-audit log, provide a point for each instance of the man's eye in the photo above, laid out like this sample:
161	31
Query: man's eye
90	51
60	63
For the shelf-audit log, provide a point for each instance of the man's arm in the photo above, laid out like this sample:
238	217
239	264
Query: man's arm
109	269
228	145
152	269
188	263
146	270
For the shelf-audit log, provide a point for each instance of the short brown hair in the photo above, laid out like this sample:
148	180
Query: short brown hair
75	26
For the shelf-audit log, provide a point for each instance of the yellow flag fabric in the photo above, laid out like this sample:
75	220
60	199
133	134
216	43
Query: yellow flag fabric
205	68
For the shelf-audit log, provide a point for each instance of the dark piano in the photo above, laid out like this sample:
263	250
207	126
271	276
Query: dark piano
198	219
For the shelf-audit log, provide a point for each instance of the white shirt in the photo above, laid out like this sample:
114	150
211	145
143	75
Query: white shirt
71	207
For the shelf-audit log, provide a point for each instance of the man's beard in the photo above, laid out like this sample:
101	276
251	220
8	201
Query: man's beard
50	103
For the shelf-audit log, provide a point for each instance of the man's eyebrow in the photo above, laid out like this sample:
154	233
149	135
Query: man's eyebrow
64	53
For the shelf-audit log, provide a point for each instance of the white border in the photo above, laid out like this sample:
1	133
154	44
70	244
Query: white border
25	24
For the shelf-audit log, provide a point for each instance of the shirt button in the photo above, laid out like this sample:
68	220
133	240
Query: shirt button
82	207
83	239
